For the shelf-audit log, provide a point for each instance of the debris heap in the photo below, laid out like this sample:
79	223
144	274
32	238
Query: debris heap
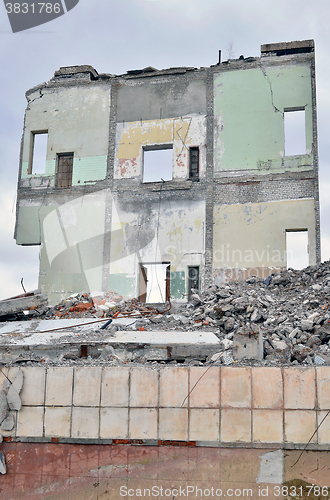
289	309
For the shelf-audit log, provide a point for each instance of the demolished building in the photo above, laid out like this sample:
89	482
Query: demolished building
94	421
158	181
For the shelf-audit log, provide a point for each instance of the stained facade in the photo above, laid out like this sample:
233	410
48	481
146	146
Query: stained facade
157	181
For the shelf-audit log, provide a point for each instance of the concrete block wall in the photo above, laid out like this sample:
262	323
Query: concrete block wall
219	406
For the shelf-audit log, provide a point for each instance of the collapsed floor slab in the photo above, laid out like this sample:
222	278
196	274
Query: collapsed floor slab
54	339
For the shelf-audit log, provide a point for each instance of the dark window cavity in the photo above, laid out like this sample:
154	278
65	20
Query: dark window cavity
64	170
194	164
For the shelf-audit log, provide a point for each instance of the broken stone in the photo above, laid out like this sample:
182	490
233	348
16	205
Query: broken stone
3	469
9	423
306	324
4	411
229	324
318	360
255	316
13	399
280	345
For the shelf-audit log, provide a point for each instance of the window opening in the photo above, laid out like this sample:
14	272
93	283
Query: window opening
294	132
38	152
194	164
193	280
157	164
64	170
154	286
297	249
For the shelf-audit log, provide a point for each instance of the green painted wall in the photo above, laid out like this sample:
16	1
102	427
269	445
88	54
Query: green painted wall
254	234
178	284
89	169
123	284
249	122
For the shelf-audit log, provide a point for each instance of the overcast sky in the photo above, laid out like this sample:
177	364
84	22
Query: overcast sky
118	35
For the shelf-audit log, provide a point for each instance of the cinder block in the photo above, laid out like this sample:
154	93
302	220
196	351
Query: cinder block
204	424
299	388
57	422
33	390
87	386
85	423
59	386
173	424
235	426
267	387
236	387
30	422
115	386
114	423
324	429
267	426
174	387
143	423
323	387
299	426
144	387
206	393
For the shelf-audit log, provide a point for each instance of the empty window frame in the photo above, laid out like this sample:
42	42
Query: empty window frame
64	170
294	132
154	285
193	280
157	163
194	163
297	249
38	155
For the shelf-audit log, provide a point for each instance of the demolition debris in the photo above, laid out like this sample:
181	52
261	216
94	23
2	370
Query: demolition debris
282	319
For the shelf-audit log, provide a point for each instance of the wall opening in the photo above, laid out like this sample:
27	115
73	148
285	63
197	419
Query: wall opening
64	170
157	164
38	152
294	132
297	248
193	280
194	163
154	282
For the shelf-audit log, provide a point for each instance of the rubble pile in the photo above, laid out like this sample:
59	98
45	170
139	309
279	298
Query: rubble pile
288	310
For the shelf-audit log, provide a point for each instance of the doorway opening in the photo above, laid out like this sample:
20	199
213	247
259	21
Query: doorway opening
154	282
297	248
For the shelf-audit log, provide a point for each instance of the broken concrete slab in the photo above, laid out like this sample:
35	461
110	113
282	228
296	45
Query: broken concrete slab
13	389
4	411
3	469
31	300
9	423
17	338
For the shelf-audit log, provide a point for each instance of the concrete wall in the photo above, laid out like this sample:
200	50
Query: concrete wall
252	236
249	110
77	121
228	406
180	133
248	186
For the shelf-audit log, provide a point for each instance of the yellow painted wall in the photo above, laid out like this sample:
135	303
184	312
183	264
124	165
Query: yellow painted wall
254	234
179	132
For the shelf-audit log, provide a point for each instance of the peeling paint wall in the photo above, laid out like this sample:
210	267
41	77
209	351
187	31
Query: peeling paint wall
246	194
76	119
181	133
249	117
253	235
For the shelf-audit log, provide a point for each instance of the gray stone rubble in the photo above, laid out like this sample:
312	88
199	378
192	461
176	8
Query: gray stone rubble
290	310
